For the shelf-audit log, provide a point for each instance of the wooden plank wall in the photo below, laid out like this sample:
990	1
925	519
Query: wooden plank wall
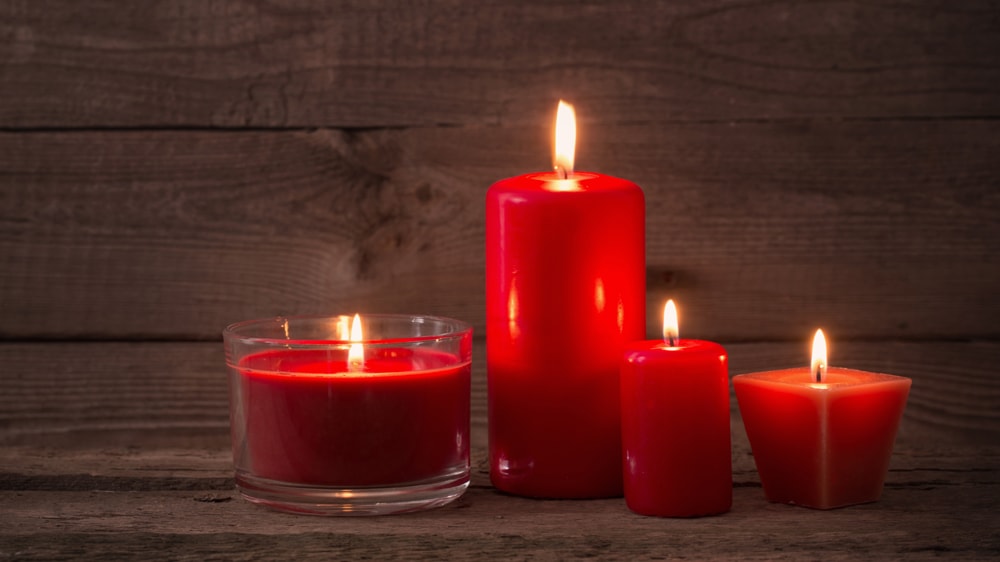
169	167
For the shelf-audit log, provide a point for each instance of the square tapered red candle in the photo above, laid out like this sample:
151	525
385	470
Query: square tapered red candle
821	437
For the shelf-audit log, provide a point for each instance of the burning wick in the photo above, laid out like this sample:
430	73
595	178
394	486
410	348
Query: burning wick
671	329
818	366
356	353
565	149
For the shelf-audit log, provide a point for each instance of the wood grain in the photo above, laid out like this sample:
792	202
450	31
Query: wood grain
108	448
760	230
153	396
295	63
169	167
486	524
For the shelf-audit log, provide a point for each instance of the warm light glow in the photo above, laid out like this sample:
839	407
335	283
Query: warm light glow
356	355
565	140
513	312
818	367
671	329
343	328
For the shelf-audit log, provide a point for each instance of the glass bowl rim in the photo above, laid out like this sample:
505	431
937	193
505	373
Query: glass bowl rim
457	330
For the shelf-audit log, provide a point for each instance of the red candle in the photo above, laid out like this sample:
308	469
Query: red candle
675	425
565	289
821	437
312	420
328	424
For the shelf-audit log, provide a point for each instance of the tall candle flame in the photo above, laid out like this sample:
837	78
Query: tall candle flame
565	150
818	366
671	328
356	354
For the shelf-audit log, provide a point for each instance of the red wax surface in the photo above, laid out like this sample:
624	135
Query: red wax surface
675	428
821	445
565	289
307	421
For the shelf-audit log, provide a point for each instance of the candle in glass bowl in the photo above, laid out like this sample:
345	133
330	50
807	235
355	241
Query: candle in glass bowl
565	289
675	425
821	437
329	423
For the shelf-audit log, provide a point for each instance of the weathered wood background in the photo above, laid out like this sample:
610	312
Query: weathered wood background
171	166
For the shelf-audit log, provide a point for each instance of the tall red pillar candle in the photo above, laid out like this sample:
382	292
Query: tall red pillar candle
565	284
821	437
676	444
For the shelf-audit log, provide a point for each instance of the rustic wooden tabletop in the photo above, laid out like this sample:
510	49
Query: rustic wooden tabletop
170	167
122	449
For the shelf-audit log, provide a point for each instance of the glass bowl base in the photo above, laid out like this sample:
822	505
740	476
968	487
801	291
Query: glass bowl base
342	501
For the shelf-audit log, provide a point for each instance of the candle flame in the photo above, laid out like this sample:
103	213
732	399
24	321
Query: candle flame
565	140
818	366
671	328
343	328
356	354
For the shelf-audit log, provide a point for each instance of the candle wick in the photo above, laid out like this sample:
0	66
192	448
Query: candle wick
563	174
671	341
819	372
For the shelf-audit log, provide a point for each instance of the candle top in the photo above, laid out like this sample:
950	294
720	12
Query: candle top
836	377
336	364
551	182
639	351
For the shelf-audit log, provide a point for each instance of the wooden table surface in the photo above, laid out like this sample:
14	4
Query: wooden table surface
121	449
169	167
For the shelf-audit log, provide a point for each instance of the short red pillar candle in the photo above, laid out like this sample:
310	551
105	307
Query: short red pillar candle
565	289
675	426
821	437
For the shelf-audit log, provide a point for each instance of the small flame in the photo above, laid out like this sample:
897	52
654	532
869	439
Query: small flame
343	328
565	140
818	366
356	354
671	329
